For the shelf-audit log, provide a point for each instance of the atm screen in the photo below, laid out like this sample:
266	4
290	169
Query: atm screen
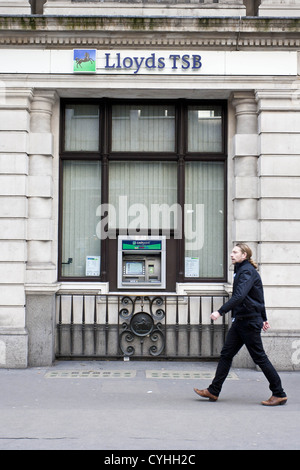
135	267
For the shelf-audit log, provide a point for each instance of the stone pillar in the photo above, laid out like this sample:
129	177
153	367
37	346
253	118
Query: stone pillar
41	270
246	182
281	8
279	214
14	128
15	7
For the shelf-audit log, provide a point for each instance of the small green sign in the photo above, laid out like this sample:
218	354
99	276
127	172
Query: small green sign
141	245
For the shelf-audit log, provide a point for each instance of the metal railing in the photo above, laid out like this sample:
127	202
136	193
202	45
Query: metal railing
138	326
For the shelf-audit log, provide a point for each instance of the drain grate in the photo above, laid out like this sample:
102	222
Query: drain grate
129	374
172	374
91	374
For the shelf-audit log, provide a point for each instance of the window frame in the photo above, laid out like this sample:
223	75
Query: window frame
180	155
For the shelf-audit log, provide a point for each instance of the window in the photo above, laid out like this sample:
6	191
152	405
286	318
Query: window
81	127
141	193
144	167
204	129
204	219
143	128
81	198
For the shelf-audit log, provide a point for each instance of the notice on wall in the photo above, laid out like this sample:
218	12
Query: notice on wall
92	266
191	267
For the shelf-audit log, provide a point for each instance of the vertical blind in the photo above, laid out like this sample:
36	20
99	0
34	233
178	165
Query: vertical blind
81	127
143	128
204	129
81	198
136	189
204	218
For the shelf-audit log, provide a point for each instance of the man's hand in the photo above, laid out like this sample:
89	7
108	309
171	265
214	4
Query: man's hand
266	325
215	315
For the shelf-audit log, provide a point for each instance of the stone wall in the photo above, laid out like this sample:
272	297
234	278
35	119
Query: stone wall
15	7
14	133
279	8
146	7
263	162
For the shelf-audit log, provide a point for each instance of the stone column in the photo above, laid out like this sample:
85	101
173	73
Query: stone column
41	270
246	181
14	128
279	8
279	213
15	7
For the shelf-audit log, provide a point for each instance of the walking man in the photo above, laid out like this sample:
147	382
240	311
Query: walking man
248	319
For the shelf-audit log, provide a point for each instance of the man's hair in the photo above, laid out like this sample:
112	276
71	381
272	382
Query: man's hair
246	249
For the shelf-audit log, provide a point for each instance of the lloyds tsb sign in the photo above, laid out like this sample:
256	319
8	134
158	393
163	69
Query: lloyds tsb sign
136	62
152	61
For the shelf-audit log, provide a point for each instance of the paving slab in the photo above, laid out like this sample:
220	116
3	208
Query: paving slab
143	405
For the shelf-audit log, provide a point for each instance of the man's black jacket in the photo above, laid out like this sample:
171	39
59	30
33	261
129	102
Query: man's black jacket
247	295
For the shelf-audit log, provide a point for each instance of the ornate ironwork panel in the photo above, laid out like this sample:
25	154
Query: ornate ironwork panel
142	322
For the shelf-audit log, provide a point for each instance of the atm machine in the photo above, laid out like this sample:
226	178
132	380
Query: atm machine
141	262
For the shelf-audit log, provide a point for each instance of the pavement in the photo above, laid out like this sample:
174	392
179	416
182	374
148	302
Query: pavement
143	405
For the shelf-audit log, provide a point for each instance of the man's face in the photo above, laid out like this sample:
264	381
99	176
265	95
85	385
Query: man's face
237	256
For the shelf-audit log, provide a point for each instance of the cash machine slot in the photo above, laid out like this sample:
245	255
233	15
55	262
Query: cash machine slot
141	262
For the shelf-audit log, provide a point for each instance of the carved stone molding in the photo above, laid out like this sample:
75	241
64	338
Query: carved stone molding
245	111
206	43
104	31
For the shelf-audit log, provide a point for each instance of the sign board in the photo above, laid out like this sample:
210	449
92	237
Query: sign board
149	62
138	245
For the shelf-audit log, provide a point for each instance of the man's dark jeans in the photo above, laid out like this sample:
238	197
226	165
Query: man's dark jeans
248	332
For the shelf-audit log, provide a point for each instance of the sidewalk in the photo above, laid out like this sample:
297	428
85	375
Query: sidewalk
118	405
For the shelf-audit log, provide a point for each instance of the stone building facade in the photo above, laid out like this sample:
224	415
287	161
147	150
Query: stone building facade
233	60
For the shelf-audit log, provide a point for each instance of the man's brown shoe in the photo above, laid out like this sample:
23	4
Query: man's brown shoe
205	394
275	401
